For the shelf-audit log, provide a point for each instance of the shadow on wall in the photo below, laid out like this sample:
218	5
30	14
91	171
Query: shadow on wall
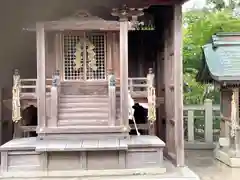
29	118
141	117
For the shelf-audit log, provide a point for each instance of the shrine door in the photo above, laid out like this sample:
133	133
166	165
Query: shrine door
84	56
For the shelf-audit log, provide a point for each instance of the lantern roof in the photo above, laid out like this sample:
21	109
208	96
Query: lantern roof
221	59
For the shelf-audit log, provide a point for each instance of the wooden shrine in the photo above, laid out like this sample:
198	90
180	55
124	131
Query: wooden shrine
81	94
221	67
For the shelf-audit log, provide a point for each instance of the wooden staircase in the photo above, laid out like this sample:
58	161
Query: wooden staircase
83	110
83	140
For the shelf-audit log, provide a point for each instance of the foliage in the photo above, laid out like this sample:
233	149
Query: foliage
195	93
222	4
217	4
201	26
198	27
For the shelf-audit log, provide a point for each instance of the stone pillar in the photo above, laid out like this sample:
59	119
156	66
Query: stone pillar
124	13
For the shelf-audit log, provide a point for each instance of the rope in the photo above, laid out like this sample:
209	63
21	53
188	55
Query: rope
234	125
151	105
16	106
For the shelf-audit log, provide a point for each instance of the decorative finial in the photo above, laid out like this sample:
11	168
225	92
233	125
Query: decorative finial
56	78
16	72
150	71
125	12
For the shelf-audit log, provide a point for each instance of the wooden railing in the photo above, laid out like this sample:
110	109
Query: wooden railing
112	98
55	93
28	87
137	86
201	125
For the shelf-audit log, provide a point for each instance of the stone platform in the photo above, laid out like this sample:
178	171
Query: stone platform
178	174
223	155
228	156
83	157
172	173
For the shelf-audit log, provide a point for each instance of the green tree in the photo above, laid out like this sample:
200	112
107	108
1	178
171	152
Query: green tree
219	5
199	26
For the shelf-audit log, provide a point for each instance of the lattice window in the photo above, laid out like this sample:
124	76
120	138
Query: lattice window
84	57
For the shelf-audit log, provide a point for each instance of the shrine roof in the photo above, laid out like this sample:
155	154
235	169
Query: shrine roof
221	59
81	20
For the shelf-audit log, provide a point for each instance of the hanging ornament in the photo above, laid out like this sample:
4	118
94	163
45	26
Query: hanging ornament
78	56
91	56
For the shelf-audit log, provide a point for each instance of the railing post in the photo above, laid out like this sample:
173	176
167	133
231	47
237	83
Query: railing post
112	98
150	78
54	98
130	85
208	121
190	128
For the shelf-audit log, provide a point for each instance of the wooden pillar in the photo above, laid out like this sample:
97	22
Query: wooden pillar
161	110
124	70
233	134
115	49
225	101
167	91
41	77
59	54
178	85
109	51
124	13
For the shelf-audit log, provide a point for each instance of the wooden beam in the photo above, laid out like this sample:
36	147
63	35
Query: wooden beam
178	86
41	76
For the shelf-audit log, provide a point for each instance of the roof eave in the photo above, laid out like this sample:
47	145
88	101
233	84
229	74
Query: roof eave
80	25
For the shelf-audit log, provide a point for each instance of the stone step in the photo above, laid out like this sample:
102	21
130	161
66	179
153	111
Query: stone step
83	110
83	105
84	116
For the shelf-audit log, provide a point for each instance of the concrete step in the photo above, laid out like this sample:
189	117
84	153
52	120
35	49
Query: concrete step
83	105
84	116
84	110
